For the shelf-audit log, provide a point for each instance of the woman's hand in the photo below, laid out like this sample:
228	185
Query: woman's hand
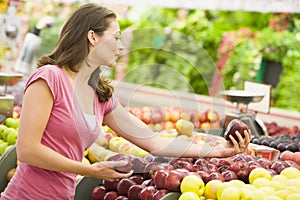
105	170
230	148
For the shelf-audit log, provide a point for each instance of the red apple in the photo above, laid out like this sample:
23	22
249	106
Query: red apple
233	126
134	192
204	175
112	195
179	164
98	192
212	115
159	194
201	164
202	117
124	157
159	178
172	182
215	176
148	192
264	162
194	116
296	157
122	198
229	175
139	179
148	182
124	185
110	185
286	155
241	169
138	164
279	165
212	168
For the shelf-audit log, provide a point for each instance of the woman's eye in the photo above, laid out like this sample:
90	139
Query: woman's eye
118	38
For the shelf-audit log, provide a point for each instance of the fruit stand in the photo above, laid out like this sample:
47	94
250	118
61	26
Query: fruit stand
270	167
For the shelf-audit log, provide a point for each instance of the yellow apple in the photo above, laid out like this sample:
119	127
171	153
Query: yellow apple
277	185
189	196
280	178
85	161
231	193
293	196
261	182
257	173
257	195
246	192
192	183
221	188
211	188
267	190
290	172
184	127
272	197
283	193
237	183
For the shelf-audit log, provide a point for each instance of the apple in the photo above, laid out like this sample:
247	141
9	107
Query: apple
253	164
189	196
159	194
202	117
112	195
134	192
159	178
192	183
232	193
148	192
293	196
290	172
194	116
233	126
3	147
211	188
286	155
179	164
12	137
168	125
261	182
201	164
6	132
124	157
173	180
223	168
110	185
229	175
296	157
138	164
279	165
122	198
139	179
10	174
215	176
257	173
221	188
204	175
184	127
265	163
12	122
241	169
205	126
98	192
124	185
212	115
148	182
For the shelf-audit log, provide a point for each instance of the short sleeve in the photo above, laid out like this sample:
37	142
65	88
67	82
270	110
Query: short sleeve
47	73
111	104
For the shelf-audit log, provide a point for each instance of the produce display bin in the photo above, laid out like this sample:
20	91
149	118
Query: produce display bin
8	161
85	187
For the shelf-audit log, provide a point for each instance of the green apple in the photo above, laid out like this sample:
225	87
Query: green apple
267	189
189	196
192	183
247	191
231	193
12	137
290	172
280	178
6	132
3	146
257	173
2	128
12	122
211	188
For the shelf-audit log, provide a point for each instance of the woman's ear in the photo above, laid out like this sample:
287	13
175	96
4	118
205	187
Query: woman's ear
92	37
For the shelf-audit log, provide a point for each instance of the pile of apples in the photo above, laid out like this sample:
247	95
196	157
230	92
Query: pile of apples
274	129
232	177
164	118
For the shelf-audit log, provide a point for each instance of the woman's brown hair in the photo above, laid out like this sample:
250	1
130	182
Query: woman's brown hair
72	47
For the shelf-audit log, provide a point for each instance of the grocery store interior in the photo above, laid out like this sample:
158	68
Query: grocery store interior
205	63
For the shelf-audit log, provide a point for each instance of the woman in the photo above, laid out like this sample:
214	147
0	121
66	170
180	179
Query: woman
65	104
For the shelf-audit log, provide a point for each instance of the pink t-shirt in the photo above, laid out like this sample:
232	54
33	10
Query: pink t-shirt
67	133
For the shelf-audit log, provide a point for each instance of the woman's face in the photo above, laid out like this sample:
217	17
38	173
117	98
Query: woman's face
108	47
